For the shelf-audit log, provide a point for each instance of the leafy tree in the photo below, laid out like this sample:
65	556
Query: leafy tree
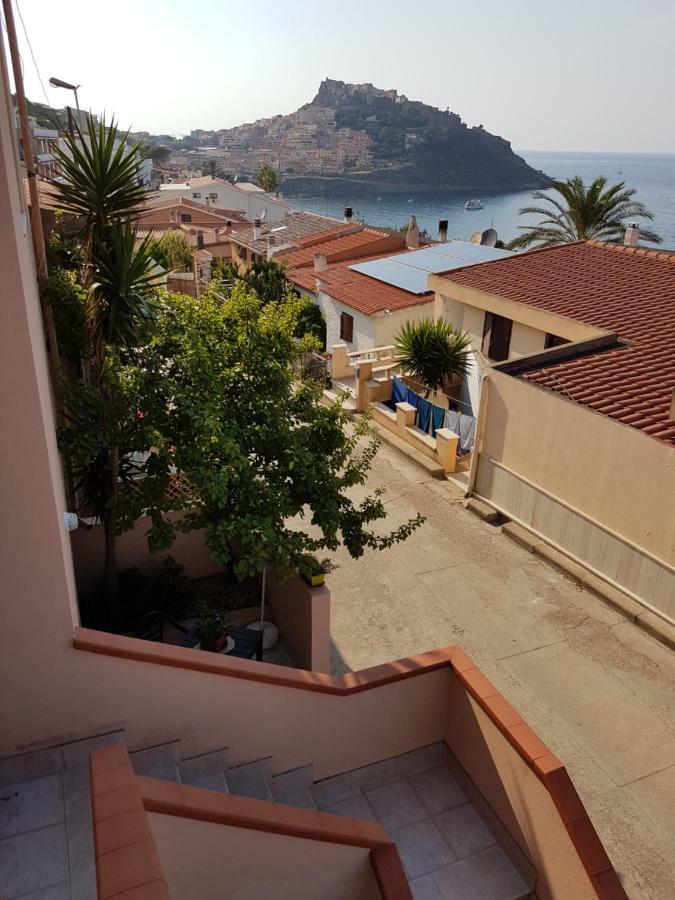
214	168
173	251
267	279
267	178
581	213
101	185
272	468
433	352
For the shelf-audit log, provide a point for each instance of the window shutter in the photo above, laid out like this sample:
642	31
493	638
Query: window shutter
346	327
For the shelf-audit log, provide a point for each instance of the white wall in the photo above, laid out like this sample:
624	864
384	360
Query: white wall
254	203
364	326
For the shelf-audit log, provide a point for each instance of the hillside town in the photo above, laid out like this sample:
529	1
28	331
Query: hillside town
338	559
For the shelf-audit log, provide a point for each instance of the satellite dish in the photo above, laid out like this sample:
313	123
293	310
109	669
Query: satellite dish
488	238
476	237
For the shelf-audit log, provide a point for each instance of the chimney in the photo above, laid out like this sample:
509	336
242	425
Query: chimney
320	262
256	229
632	235
443	231
412	238
348	213
200	240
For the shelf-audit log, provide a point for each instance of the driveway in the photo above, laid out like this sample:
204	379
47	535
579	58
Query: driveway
597	690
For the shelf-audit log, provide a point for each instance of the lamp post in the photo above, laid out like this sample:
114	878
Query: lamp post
57	82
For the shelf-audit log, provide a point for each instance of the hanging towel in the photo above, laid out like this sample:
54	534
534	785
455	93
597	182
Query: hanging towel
423	415
399	393
413	398
437	418
467	430
452	420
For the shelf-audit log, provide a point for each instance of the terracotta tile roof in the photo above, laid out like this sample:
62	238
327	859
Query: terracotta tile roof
337	245
627	290
293	231
356	290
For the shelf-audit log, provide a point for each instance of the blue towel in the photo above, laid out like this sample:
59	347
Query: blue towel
413	398
437	418
399	393
423	415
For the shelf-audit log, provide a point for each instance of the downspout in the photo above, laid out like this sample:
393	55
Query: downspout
480	434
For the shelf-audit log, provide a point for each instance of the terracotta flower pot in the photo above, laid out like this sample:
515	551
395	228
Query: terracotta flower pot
214	645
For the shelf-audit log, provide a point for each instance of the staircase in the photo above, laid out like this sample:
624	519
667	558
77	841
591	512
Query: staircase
422	800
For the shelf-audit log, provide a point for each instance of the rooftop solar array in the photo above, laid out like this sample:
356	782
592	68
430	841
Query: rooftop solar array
409	271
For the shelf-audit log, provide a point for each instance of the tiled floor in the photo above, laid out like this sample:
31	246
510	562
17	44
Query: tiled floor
447	849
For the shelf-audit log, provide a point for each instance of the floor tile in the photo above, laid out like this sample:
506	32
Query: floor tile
375	775
33	860
54	892
154	758
488	875
395	805
75	780
331	790
499	873
464	830
83	887
291	782
302	798
437	789
461	881
26	807
357	807
80	833
422	848
207	764
209	782
418	760
250	780
425	888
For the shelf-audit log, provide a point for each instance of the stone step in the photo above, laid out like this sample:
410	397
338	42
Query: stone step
203	766
251	779
158	762
215	782
293	787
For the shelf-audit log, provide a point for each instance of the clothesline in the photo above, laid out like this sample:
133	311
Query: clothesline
430	417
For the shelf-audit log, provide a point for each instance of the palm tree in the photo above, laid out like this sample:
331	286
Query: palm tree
433	352
267	178
581	213
101	185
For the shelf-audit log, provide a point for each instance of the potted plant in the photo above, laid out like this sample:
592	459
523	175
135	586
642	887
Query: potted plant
314	571
212	630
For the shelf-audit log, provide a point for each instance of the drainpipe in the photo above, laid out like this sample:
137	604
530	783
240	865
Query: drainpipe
480	433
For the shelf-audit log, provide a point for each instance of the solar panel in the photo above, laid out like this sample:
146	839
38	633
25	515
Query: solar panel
409	271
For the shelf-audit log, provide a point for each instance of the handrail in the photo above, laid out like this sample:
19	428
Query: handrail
372	350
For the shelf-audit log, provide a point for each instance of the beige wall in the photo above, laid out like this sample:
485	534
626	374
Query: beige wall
132	552
596	468
209	861
518	797
303	616
525	340
387	327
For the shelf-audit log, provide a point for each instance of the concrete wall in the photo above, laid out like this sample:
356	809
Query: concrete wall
303	616
254	203
518	797
596	488
388	327
209	860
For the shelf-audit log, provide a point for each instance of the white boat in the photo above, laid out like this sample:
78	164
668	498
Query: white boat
473	204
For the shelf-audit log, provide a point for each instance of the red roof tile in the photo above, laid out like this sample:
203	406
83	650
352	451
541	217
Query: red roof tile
627	290
335	245
356	290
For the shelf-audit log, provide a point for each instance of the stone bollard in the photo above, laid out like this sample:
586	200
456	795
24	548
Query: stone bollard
405	416
446	448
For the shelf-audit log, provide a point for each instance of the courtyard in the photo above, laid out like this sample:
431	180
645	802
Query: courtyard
597	690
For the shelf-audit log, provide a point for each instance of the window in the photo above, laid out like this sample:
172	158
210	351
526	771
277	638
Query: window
346	327
186	217
552	340
213	197
496	337
196	196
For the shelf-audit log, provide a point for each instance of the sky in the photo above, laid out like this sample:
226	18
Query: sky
593	75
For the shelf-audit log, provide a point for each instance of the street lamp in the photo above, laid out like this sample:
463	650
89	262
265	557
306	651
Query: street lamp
56	82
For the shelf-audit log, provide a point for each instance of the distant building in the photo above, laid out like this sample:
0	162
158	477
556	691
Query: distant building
218	192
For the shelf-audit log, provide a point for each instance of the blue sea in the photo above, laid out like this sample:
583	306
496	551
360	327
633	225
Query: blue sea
652	175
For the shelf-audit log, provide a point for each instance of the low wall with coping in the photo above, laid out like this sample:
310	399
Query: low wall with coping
342	723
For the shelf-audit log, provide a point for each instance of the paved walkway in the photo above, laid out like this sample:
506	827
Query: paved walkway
598	691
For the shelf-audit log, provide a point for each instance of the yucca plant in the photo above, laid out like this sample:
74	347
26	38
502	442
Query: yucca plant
432	352
581	213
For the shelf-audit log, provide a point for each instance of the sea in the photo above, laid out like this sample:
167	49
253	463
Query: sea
652	175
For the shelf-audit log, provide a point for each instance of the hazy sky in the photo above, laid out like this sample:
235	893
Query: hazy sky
573	75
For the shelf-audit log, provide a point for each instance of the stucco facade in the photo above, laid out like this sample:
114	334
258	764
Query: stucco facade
221	193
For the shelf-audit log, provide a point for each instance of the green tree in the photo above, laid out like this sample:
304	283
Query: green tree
271	466
267	178
581	213
173	251
432	351
101	185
